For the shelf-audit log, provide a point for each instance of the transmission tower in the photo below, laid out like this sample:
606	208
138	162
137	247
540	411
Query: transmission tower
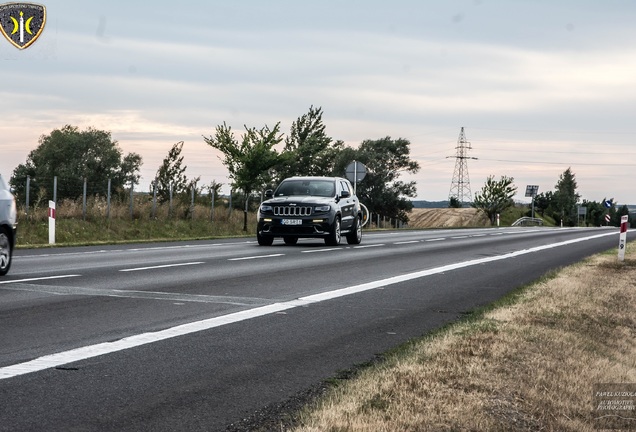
460	185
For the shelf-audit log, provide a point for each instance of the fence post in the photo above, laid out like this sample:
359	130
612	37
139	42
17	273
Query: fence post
108	201
28	186
212	205
132	188
84	201
194	185
170	202
154	198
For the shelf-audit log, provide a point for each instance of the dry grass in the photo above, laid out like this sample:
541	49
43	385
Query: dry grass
447	218
179	223
527	365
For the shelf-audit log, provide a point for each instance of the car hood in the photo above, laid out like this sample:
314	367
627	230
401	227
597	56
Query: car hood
299	200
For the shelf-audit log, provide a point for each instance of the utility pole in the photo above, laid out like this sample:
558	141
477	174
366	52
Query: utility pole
460	185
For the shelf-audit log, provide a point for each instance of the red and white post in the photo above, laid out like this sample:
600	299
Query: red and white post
51	222
623	238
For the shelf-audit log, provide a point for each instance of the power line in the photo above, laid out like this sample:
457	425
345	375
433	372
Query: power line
558	163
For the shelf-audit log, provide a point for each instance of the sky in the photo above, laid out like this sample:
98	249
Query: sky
538	86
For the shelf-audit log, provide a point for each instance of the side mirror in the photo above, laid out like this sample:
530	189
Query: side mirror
345	194
269	194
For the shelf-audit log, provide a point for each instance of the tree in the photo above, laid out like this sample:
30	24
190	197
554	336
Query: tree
381	190
72	155
543	202
249	160
171	172
595	212
308	150
495	196
454	202
565	199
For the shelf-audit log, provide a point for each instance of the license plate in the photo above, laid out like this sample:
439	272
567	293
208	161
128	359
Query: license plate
291	221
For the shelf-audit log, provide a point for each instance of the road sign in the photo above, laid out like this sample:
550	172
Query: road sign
608	203
531	190
607	218
356	171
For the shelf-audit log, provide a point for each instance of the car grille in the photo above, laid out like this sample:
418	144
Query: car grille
292	211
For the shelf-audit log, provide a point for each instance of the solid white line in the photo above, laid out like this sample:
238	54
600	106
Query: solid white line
162	266
255	257
322	250
83	353
38	279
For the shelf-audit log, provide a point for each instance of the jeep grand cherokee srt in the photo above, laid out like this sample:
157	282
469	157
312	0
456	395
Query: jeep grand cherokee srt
318	207
7	226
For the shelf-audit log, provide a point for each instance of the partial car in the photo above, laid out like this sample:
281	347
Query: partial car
310	207
8	226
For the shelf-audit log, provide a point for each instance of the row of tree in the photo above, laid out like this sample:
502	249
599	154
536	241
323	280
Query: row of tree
254	163
562	204
256	159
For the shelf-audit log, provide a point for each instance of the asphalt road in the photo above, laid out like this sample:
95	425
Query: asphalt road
199	335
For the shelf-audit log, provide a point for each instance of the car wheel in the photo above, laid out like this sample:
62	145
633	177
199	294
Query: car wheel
5	253
355	236
290	240
264	240
334	236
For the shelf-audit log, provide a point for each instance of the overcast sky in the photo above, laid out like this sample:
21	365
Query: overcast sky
539	86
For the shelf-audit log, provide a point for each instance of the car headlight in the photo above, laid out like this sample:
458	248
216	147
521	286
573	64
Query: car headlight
266	208
324	208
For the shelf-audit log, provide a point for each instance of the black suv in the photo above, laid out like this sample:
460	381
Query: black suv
319	207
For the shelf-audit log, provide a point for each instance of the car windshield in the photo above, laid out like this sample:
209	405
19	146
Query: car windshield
3	185
322	188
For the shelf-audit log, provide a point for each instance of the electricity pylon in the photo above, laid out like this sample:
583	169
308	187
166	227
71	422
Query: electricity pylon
460	185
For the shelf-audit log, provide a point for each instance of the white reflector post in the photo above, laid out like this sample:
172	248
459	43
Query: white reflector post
51	222
623	238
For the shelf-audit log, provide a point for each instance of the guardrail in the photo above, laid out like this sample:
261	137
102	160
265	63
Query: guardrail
526	220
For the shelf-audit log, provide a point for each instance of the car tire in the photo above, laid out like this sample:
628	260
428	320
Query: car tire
264	240
5	253
290	241
355	236
333	239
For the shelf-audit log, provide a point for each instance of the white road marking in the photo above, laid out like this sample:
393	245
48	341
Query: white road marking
83	353
369	246
459	237
255	257
38	279
436	239
162	266
406	242
321	250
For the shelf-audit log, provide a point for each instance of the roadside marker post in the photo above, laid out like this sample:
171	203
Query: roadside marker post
623	238
51	222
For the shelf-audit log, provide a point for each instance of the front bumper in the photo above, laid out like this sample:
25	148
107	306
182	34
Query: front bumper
300	227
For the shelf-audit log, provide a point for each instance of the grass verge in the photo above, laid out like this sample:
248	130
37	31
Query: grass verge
531	362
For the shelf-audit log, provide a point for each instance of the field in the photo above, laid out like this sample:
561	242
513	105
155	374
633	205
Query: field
447	218
541	359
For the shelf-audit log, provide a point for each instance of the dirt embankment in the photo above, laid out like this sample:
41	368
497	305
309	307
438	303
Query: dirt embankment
447	218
